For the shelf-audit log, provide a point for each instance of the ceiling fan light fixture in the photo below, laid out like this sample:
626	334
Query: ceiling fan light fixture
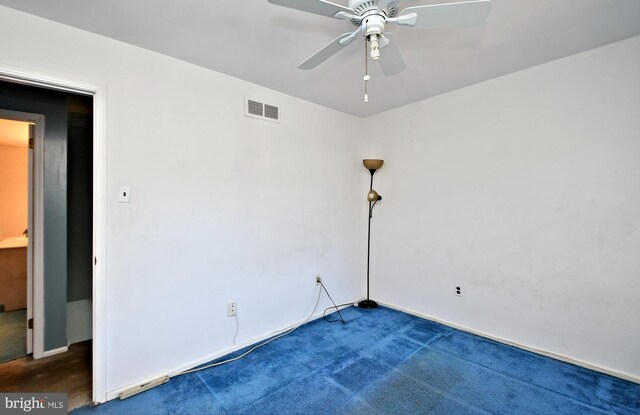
375	47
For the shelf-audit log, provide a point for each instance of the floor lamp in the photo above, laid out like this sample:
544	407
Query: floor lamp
373	197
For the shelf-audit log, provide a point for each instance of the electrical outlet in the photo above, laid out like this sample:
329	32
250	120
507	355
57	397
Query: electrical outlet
232	309
458	291
318	279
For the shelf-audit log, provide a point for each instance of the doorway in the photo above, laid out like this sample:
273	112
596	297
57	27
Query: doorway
67	369
60	310
98	94
15	187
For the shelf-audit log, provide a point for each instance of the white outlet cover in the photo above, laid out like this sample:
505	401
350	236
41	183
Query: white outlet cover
232	309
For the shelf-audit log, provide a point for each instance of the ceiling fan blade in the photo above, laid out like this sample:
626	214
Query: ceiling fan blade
321	7
383	40
391	60
433	16
328	51
345	40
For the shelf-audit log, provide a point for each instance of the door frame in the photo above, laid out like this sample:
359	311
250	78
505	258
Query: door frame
35	247
99	94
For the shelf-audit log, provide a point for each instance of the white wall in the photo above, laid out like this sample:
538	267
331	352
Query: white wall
524	190
223	207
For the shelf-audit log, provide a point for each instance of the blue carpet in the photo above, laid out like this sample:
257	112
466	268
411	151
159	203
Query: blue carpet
385	362
13	335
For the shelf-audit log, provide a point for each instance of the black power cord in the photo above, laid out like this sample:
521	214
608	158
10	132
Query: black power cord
324	315
334	306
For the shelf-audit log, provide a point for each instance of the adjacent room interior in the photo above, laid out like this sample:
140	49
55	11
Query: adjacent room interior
14	168
415	219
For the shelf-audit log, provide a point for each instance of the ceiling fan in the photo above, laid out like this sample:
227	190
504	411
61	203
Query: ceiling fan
371	16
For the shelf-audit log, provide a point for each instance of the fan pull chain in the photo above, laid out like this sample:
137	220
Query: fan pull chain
366	71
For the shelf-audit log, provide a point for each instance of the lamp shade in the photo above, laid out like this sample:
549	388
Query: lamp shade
372	164
372	196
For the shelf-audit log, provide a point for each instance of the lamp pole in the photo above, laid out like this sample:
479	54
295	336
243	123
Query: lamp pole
373	197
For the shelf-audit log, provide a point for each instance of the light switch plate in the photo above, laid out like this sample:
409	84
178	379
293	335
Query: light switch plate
124	194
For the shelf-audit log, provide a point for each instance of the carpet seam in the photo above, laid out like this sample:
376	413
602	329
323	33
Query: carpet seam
358	353
441	392
222	405
604	410
581	369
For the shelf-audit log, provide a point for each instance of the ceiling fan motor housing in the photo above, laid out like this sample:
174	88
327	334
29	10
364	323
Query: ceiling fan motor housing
363	6
373	25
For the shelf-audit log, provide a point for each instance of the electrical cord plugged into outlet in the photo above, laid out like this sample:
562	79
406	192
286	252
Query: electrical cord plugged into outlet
334	304
283	333
235	336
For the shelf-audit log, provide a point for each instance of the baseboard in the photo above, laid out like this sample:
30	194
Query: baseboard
208	358
257	339
556	356
55	351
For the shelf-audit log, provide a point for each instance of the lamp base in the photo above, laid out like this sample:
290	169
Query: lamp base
367	304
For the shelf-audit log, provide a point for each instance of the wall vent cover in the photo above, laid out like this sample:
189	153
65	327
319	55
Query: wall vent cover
256	109
271	112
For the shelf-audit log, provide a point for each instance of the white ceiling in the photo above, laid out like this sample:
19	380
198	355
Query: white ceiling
14	133
263	43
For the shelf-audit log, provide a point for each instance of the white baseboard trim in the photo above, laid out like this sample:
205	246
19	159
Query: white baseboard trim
55	351
622	375
563	358
209	357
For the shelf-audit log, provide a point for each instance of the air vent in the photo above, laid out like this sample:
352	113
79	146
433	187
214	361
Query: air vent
255	109
271	112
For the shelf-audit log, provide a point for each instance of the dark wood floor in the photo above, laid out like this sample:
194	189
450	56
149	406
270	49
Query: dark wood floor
68	372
